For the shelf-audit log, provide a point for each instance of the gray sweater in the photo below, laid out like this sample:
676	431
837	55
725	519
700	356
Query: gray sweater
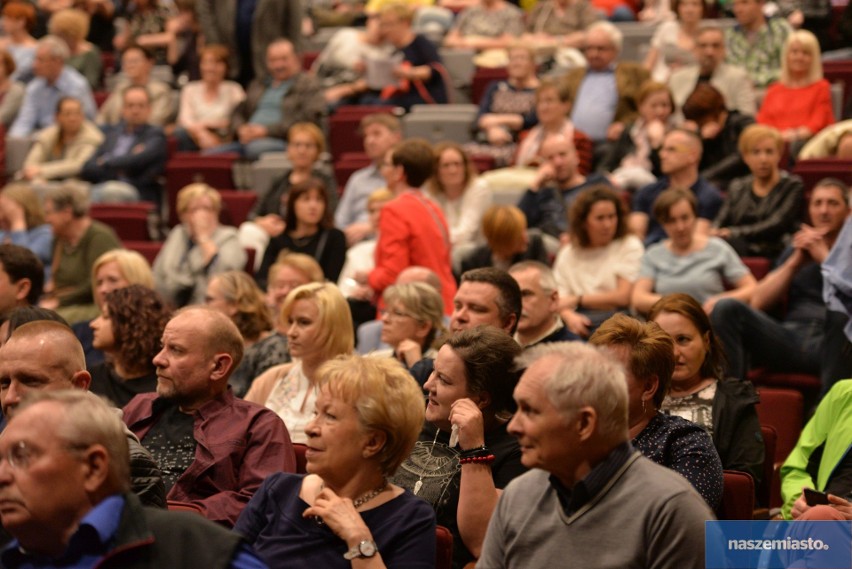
647	516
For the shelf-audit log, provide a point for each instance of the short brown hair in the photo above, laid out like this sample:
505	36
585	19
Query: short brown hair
666	200
415	157
434	184
219	52
386	120
705	103
582	206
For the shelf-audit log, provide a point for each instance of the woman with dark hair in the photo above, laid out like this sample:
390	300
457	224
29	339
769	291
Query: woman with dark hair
701	394
688	261
128	331
595	271
310	230
720	131
761	211
647	353
235	294
464	455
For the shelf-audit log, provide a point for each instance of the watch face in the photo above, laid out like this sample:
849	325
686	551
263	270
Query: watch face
367	548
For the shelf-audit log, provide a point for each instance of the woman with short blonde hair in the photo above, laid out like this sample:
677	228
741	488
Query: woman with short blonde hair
412	322
72	26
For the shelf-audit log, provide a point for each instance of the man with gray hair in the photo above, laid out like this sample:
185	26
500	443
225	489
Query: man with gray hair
53	80
598	501
64	496
539	322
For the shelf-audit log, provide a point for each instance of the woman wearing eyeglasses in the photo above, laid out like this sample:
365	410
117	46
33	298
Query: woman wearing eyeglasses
412	321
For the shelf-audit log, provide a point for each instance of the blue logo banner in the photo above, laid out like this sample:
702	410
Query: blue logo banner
778	545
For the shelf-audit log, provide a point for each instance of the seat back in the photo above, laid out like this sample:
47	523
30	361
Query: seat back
759	266
301	461
236	205
129	224
782	409
737	496
770	439
148	249
217	171
444	545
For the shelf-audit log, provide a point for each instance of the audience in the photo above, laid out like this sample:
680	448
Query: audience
553	103
596	270
760	211
539	321
130	162
319	328
572	425
491	24
673	44
647	354
368	413
412	322
236	295
137	64
689	261
469	394
206	105
71	25
756	42
18	20
700	393
144	24
799	104
215	450
22	222
507	241
128	332
560	23
11	90
59	151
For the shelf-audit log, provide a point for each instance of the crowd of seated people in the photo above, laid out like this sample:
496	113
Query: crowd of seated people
640	194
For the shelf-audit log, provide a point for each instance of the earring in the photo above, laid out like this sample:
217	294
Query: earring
643	407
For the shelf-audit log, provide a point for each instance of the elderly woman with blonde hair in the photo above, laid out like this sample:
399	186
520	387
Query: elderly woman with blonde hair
237	296
319	328
197	249
344	512
412	322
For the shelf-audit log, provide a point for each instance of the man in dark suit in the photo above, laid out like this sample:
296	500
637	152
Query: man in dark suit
127	166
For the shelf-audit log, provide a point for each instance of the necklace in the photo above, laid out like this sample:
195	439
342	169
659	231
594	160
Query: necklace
364	498
419	484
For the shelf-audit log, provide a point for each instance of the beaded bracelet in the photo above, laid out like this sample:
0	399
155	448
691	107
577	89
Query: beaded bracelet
477	451
484	459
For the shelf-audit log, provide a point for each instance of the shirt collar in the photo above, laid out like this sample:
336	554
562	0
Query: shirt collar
557	325
572	499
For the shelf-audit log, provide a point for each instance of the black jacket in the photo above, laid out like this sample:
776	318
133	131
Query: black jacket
736	429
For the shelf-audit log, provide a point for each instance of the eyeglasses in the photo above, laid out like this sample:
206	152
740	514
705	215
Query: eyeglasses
395	314
21	455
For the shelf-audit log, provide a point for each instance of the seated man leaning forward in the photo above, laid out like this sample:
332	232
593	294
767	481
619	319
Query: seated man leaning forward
587	479
214	449
64	496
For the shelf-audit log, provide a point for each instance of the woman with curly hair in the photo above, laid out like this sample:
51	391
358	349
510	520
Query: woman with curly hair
237	296
128	331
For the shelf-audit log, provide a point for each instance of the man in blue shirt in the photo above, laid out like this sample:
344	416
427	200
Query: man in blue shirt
53	80
680	156
64	496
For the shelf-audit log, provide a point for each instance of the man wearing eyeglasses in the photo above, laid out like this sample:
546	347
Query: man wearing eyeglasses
64	496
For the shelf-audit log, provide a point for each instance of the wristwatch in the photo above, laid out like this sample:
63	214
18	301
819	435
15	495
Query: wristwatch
365	548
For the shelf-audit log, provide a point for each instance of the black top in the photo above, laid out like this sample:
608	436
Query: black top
840	482
327	246
482	256
120	391
172	443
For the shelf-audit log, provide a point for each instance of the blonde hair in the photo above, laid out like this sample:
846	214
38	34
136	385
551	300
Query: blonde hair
133	266
311	130
192	192
301	262
402	11
754	133
240	290
385	396
810	43
25	196
69	22
337	336
423	303
503	226
380	195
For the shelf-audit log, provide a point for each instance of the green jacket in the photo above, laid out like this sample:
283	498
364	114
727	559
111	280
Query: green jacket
830	426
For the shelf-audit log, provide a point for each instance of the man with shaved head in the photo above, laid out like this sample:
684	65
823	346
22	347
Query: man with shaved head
680	157
45	355
214	449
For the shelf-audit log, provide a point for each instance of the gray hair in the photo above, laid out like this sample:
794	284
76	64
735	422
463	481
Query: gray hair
546	278
610	29
55	47
70	194
583	375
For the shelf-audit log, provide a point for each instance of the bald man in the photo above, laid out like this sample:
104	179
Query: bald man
46	356
213	448
680	156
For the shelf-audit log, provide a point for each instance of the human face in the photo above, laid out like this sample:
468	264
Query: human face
70	116
59	219
762	159
599	50
539	304
451	169
799	60
282	61
212	69
375	211
656	107
680	225
107	279
827	209
136	109
11	294
390	172
302	150
446	385
30	364
748	12
690	11
393	29
136	66
47	66
336	439
215	298
399	325
601	223
710	46
521	64
475	305
184	365
546	438
304	329
559	152
45	495
378	139
286	279
678	154
550	109
310	208
691	347
102	338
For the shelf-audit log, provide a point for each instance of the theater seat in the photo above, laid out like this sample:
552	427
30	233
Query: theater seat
737	497
444	545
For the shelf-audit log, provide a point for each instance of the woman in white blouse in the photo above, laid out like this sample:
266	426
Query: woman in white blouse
596	270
